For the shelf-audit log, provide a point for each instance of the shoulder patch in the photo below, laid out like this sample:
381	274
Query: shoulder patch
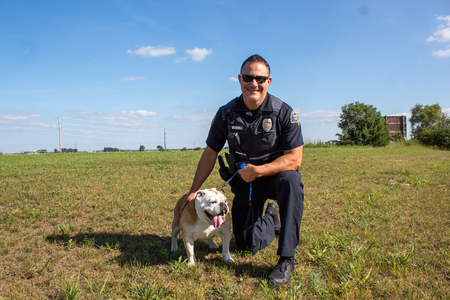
295	118
212	122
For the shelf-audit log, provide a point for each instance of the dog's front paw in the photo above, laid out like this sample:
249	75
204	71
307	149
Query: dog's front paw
174	245
228	259
191	261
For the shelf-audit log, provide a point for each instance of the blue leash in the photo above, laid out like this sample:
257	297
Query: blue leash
249	196
228	181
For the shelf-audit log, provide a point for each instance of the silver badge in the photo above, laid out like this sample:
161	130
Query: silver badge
267	124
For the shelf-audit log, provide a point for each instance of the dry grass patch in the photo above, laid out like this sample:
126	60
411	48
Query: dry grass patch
97	226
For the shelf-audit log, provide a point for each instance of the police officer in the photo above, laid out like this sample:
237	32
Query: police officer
266	148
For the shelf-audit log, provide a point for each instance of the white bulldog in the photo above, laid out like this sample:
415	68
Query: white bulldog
205	217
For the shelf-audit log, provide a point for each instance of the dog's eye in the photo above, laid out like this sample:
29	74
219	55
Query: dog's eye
213	202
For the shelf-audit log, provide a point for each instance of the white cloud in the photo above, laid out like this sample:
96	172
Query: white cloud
197	54
233	79
442	35
127	116
33	126
133	78
444	53
139	113
122	118
446	18
18	117
12	118
187	118
153	51
446	111
81	111
22	122
327	115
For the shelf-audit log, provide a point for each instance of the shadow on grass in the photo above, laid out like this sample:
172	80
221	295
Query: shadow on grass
150	249
147	249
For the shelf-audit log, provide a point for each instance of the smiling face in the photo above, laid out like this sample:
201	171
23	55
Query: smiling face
212	205
254	93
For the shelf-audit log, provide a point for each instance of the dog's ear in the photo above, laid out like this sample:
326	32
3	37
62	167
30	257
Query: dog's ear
220	189
199	194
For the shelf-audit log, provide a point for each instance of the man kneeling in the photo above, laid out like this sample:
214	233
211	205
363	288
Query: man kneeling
266	147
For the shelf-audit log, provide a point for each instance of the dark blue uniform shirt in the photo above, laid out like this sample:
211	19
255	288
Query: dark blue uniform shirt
289	129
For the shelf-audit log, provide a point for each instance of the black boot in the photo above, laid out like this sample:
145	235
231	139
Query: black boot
272	210
283	272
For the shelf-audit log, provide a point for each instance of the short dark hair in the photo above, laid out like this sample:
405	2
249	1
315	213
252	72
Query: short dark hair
255	58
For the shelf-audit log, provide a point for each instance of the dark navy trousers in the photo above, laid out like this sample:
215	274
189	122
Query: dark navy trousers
287	189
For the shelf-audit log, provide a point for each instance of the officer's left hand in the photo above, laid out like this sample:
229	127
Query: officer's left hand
249	173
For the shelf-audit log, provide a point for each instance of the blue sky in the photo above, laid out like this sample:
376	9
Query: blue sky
119	73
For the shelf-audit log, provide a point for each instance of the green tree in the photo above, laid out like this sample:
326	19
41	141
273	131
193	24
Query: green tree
142	148
424	116
160	148
362	125
69	150
430	126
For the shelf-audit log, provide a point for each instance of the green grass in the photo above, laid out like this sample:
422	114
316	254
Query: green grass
97	226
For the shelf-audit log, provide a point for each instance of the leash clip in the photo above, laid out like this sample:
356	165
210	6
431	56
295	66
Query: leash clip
228	181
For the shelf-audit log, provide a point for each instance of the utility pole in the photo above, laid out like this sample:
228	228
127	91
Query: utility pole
165	148
59	125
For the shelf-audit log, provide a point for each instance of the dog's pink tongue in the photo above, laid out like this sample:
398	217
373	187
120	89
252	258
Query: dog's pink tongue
217	221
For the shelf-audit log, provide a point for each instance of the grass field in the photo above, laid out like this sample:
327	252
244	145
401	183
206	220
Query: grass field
97	226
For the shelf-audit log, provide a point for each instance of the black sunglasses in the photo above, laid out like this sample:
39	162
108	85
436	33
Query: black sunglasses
259	79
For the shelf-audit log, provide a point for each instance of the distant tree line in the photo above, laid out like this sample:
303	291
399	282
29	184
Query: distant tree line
363	125
195	149
111	149
64	150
